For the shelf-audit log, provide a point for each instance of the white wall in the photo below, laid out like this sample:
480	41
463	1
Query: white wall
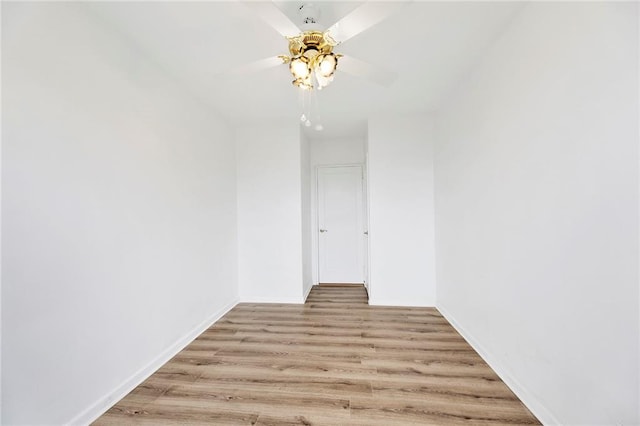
119	230
329	152
0	225
269	213
305	189
346	150
401	212
537	210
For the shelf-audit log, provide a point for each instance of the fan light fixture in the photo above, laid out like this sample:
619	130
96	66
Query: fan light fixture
312	62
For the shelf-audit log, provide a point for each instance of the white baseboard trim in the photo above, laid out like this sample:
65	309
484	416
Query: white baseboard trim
304	298
292	300
103	404
531	402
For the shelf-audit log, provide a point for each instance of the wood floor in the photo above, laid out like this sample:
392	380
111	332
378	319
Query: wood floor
332	361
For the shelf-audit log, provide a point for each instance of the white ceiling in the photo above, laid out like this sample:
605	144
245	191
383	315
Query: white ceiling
430	45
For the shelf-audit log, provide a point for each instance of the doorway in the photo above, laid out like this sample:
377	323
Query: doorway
341	225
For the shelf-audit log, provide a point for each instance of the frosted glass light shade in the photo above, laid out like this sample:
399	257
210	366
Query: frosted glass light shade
299	68
327	65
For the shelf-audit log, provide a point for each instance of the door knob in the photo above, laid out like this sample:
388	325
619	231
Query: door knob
323	230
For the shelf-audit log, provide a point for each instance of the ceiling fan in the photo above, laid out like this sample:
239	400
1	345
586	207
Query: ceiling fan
311	59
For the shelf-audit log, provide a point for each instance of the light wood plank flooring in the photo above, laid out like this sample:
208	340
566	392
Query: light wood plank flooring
332	361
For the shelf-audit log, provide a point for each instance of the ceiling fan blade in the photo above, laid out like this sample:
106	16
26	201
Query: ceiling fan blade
274	17
363	18
253	67
359	68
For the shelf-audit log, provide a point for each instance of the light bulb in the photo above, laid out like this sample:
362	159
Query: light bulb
327	65
299	68
303	118
307	123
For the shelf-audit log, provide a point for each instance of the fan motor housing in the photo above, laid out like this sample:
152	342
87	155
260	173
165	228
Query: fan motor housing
309	41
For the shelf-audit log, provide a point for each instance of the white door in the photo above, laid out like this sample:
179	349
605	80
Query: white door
340	225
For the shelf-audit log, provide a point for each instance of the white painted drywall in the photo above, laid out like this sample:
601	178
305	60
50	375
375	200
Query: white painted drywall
537	210
118	215
329	152
401	212
0	225
638	177
269	213
305	190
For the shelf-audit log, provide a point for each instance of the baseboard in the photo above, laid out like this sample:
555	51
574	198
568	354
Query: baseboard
527	398
339	284
283	300
304	298
103	404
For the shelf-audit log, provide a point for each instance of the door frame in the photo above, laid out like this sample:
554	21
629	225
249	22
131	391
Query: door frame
315	220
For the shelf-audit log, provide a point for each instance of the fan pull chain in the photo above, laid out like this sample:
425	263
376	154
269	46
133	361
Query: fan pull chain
318	127
305	118
310	109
